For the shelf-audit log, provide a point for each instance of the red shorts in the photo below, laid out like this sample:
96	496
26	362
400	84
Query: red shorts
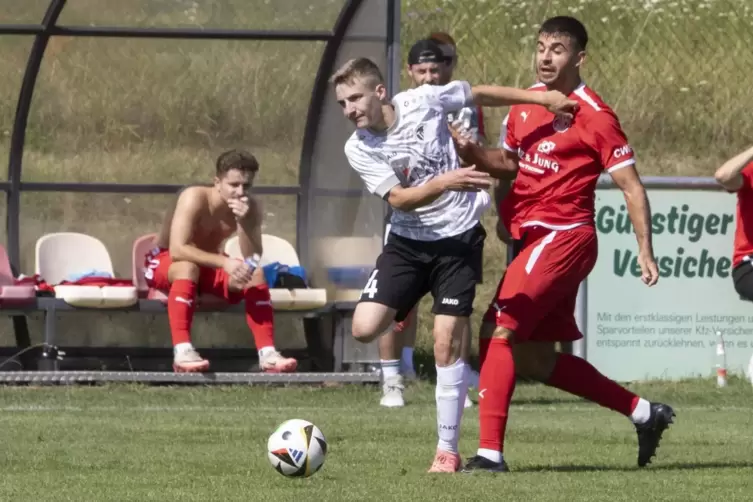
213	281
536	296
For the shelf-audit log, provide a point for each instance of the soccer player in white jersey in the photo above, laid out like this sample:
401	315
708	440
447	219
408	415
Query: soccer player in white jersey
428	63
404	153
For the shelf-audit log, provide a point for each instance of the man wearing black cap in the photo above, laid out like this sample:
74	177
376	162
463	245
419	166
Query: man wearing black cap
404	153
425	63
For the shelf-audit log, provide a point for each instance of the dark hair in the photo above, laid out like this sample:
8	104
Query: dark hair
236	159
566	25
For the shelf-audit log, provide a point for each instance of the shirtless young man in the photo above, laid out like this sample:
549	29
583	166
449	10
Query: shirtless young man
187	260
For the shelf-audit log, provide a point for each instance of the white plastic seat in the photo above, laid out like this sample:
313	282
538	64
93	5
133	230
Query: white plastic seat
349	258
58	256
277	249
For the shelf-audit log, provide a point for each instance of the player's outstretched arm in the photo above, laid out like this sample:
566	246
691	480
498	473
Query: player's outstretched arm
639	211
496	95
495	161
185	219
728	175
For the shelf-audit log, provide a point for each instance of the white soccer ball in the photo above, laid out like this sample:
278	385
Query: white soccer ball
297	448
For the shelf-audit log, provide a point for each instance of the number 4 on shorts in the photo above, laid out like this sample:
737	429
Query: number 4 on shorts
371	285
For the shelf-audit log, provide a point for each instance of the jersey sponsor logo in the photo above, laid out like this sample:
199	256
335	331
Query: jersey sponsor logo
538	164
546	147
622	151
450	301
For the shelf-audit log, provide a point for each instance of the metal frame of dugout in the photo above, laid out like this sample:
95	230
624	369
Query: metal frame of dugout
330	341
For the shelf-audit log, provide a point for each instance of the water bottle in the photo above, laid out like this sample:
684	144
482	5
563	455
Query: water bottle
253	261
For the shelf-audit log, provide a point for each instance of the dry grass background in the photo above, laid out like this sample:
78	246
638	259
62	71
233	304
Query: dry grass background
159	111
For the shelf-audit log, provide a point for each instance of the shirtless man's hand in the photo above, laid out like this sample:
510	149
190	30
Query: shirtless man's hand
239	206
239	271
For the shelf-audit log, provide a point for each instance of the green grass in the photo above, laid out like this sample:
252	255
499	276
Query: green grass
137	443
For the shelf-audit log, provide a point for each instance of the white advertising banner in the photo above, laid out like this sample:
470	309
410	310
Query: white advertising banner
668	331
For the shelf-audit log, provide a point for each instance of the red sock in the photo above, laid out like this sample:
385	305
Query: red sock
180	307
577	376
483	350
260	315
496	388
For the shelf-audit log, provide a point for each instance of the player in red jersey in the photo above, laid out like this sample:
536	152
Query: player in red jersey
736	176
186	260
550	213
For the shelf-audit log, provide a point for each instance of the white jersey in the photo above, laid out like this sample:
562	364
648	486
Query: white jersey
415	149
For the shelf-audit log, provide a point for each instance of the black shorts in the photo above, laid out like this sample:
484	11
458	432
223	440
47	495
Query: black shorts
742	278
408	269
388	225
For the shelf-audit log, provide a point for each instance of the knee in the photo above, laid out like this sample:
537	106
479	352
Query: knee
370	320
500	332
363	330
183	270
446	346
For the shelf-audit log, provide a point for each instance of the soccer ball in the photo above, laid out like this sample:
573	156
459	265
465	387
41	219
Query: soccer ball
297	448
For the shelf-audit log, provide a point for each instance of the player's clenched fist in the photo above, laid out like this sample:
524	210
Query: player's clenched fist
461	136
559	104
239	206
466	178
649	270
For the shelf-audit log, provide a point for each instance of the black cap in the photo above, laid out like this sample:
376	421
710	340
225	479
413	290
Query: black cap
425	51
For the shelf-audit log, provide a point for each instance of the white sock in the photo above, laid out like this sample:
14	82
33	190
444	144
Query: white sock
452	387
407	360
471	376
493	455
266	350
390	368
642	412
182	347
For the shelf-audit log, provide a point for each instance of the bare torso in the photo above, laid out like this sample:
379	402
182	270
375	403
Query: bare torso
215	224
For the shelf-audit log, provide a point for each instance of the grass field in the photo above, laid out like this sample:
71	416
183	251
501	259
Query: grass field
156	111
132	443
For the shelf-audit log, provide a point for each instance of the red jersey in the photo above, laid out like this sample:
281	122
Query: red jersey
560	162
743	245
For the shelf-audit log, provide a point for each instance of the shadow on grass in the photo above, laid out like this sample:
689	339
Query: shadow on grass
677	466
